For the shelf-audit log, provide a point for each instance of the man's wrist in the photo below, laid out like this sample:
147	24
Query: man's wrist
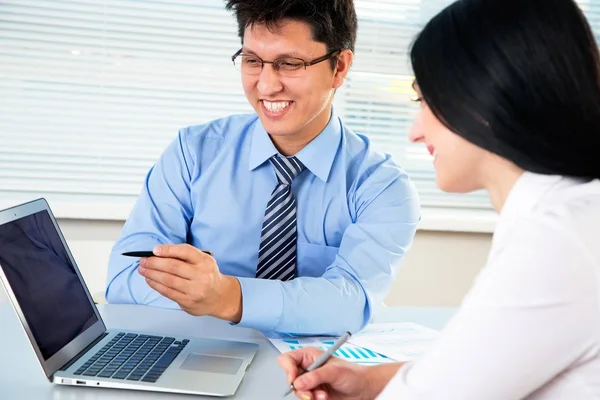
378	377
230	307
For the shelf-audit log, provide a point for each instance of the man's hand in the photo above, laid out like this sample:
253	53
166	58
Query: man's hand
336	380
192	279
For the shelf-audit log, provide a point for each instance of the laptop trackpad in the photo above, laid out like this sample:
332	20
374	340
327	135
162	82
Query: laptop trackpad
211	363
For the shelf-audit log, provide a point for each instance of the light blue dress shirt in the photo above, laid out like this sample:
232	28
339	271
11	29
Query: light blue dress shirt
357	213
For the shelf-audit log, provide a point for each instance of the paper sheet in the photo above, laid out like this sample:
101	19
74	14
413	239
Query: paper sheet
378	343
348	352
403	341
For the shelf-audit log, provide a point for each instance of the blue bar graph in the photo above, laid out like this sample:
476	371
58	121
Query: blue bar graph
348	352
371	353
343	353
359	350
353	353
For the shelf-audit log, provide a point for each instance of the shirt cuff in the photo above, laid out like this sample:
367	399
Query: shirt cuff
398	387
262	303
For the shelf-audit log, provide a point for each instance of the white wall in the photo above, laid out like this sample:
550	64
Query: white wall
436	272
439	269
91	242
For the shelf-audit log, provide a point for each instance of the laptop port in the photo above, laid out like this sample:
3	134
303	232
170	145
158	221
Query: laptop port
80	382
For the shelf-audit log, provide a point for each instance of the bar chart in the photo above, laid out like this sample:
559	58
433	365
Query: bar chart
348	352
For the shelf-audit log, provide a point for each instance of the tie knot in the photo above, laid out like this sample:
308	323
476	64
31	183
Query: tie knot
286	168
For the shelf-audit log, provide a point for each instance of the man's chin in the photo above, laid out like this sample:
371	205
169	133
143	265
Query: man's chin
279	132
276	128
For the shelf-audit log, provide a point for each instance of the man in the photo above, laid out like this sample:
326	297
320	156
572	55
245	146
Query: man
306	222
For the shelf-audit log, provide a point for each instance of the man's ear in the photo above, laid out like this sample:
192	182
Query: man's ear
344	60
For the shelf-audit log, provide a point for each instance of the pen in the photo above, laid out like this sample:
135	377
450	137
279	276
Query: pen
148	253
323	358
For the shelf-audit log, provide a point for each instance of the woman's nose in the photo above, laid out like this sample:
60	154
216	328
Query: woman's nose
416	133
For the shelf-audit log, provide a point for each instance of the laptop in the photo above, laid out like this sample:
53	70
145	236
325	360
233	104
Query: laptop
69	337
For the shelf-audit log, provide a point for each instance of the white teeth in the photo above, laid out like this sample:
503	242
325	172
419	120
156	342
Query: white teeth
276	106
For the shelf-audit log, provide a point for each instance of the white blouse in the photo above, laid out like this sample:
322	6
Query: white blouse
530	325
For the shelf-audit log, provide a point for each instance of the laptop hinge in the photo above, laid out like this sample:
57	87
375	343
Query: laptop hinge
82	352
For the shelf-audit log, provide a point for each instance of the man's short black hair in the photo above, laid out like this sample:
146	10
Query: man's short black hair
332	22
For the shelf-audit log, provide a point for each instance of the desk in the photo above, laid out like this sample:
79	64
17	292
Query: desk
22	378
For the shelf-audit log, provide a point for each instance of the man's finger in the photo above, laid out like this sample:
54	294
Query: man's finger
168	292
170	266
184	252
166	279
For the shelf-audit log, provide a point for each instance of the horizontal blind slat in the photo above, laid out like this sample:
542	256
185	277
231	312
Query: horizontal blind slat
92	91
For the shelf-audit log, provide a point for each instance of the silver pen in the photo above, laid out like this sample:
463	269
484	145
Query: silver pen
322	359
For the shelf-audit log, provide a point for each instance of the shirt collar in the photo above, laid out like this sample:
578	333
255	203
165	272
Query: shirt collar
262	147
525	195
317	156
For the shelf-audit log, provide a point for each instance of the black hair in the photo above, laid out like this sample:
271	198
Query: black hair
518	78
332	22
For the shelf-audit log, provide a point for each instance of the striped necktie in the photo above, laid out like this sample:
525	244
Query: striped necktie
277	252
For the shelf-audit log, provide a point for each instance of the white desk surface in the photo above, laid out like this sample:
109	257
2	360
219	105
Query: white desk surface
21	377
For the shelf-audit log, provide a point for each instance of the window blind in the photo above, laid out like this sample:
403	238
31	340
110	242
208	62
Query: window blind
92	91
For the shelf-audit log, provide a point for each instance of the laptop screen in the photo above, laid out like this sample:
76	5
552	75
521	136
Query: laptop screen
44	282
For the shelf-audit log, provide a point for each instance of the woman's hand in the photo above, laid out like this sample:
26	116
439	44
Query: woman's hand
336	379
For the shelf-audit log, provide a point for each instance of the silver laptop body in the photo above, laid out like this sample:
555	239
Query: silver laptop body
66	330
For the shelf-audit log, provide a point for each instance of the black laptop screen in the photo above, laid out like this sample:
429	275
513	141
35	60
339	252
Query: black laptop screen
44	282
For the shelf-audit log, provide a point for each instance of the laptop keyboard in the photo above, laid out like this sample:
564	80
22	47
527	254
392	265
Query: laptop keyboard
133	357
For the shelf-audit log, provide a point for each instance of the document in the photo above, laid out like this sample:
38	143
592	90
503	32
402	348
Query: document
403	341
348	352
378	343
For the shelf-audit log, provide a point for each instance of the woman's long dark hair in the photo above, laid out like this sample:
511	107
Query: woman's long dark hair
520	78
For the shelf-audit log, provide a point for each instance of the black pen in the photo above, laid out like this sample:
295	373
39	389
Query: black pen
146	253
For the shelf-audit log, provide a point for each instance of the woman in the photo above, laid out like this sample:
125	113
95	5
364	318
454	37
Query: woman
510	103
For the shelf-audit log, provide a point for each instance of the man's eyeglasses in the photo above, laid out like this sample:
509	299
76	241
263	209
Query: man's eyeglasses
285	66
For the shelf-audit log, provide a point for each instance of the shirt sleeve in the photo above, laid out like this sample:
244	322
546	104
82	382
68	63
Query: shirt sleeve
529	316
387	212
162	214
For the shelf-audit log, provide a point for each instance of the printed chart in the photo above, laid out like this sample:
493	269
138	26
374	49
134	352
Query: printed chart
401	341
348	352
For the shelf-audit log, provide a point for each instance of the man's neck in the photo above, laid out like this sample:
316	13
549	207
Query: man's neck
289	145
